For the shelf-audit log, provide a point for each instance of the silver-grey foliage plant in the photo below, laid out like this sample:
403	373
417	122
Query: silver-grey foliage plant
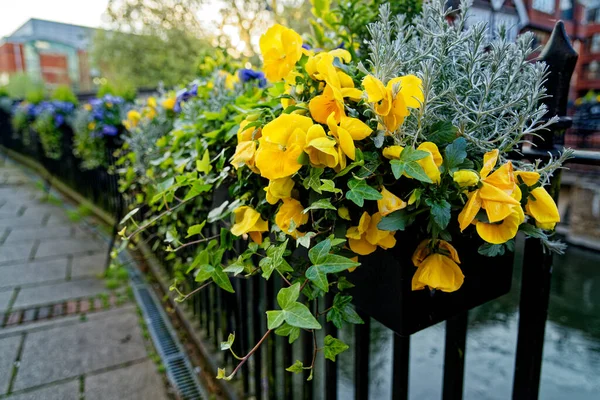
485	87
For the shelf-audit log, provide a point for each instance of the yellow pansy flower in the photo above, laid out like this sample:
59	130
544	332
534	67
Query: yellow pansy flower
279	189
151	102
248	221
430	164
133	118
331	101
244	155
494	194
465	178
244	134
281	49
437	267
364	238
290	210
389	202
281	144
320	67
393	106
498	233
321	149
348	130
92	126
87	107
169	103
543	209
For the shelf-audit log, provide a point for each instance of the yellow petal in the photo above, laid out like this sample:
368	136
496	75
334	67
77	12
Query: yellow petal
433	150
503	178
504	231
364	222
489	162
244	153
275	163
412	90
346	143
416	280
361	246
344	213
355	127
470	210
374	88
530	178
421	252
256	237
281	128
353	233
392	152
430	168
496	211
245	218
543	209
389	202
489	192
388	241
290	210
442	244
279	189
323	105
465	178
342	54
439	272
374	235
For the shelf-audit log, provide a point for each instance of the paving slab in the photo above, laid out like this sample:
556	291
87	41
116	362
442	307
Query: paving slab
35	272
55	293
49	232
88	266
138	381
15	252
60	391
8	354
65	352
68	246
5	297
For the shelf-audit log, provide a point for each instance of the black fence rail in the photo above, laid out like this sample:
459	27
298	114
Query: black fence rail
218	313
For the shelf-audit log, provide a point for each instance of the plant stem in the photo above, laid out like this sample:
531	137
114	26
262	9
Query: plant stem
141	228
247	356
196	242
193	292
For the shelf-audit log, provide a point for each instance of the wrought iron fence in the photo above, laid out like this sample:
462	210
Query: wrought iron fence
219	313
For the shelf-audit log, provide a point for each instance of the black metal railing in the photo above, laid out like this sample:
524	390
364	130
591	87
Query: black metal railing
218	313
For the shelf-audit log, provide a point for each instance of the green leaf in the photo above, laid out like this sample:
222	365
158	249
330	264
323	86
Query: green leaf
343	283
397	168
204	272
440	212
304	241
203	165
275	318
195	229
227	345
131	214
299	315
442	133
321	204
319	251
333	263
491	250
222	279
196	189
288	296
409	154
221	374
291	332
395	221
235	268
342	310
414	170
333	347
455	154
318	277
328	185
360	191
313	180
296	367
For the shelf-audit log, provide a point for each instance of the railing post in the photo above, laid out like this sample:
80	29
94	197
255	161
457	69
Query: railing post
561	58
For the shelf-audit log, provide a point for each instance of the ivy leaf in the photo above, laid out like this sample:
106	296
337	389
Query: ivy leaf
195	229
203	165
327	185
333	263
296	367
491	250
321	204
440	212
319	251
288	296
360	191
133	212
204	272
235	268
442	133
395	221
222	279
227	345
414	170
221	374
455	154
299	315
304	241
360	161
409	154
333	347
196	189
342	311
397	168
291	332
318	277
275	318
313	181
344	283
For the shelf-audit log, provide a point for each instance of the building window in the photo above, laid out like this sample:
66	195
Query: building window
545	6
595	43
592	16
592	70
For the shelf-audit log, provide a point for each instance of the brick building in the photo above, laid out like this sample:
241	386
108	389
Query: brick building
52	52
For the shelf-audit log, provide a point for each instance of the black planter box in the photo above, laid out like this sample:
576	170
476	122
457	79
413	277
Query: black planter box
383	285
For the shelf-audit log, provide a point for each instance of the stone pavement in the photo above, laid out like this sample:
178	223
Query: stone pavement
62	334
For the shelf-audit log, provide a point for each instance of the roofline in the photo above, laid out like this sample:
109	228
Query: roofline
53	22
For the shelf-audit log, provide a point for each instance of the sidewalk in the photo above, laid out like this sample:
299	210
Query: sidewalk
63	334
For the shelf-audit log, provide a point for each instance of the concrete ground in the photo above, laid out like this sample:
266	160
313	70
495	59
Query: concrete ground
63	335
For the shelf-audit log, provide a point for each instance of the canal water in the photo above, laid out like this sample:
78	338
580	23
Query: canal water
571	366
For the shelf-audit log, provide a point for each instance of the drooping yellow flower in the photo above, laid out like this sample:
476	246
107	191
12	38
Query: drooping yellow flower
320	67
364	238
542	206
248	220
244	155
465	178
169	103
392	102
331	101
279	189
494	195
502	232
437	267
389	202
290	210
281	144
430	164
348	130
321	149
281	49
244	134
